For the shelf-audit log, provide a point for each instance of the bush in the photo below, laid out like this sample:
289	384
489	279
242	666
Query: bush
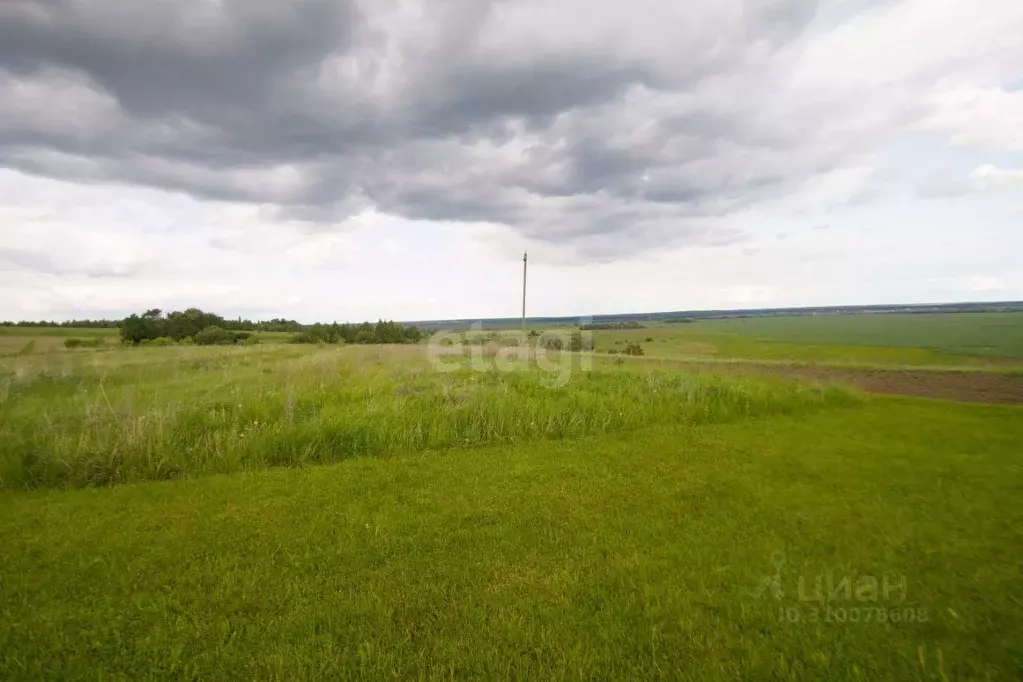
649	339
305	337
251	341
366	336
633	349
82	343
552	342
162	341
578	343
187	341
214	336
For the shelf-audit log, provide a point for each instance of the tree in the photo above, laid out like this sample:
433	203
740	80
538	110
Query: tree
135	329
190	322
366	336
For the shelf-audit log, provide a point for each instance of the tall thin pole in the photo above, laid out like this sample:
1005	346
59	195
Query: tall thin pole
524	264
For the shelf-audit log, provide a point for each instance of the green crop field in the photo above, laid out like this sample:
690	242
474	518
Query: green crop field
320	512
991	334
974	340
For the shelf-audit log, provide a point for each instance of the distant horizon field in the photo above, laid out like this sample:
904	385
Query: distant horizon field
994	334
989	341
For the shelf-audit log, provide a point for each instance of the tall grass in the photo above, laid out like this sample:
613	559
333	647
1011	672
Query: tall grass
149	414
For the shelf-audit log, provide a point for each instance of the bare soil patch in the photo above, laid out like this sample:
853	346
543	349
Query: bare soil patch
964	386
961	385
975	387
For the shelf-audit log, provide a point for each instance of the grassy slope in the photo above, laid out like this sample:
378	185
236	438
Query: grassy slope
624	557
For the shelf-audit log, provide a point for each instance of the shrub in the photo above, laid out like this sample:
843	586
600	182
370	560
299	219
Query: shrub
578	343
251	340
82	343
552	342
187	341
214	336
162	341
649	339
305	337
366	336
633	349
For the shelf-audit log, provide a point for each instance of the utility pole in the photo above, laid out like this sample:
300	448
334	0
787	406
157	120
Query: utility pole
524	264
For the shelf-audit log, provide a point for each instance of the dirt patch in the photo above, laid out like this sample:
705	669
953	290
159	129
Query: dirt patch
965	386
974	387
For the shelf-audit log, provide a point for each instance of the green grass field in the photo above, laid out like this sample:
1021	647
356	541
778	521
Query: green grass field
976	340
625	556
322	512
991	334
158	413
61	332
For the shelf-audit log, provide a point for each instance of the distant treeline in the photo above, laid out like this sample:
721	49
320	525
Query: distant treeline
684	316
196	326
366	332
603	326
274	325
79	324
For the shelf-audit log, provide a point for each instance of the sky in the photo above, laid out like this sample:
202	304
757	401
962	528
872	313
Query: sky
361	159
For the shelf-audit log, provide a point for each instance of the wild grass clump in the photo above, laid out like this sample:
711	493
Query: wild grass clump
159	413
95	342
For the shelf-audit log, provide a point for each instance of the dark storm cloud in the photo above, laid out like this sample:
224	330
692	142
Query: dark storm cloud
212	60
317	109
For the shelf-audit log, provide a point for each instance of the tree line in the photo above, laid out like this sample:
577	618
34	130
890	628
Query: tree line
274	325
78	324
200	327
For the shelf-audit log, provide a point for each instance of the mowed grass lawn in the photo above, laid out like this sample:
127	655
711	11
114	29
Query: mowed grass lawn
631	555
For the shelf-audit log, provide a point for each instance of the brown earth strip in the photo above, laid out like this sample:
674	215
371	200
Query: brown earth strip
974	387
964	386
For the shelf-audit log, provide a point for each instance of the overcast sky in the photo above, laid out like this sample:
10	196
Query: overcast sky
353	159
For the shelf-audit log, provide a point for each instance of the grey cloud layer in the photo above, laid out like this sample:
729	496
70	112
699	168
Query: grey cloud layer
608	126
